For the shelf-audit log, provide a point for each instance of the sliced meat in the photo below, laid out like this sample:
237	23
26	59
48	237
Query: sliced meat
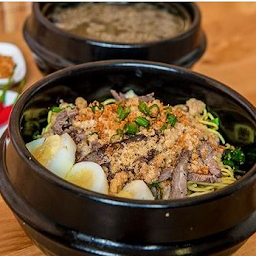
117	96
179	180
134	138
165	175
150	155
166	189
63	125
97	156
95	145
157	193
207	153
62	122
76	134
147	98
72	113
203	178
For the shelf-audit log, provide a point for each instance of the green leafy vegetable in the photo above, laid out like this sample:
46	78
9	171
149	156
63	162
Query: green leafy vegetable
233	157
216	121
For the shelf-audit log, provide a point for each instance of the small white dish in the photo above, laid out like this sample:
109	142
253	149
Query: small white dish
13	51
10	98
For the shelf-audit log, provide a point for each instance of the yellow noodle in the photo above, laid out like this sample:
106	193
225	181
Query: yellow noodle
215	126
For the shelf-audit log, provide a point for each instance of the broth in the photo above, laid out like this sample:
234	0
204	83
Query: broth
120	23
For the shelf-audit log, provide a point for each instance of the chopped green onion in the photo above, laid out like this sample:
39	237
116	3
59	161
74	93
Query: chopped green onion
131	128
168	110
143	108
123	112
92	133
171	119
154	184
97	107
109	101
115	138
154	110
141	121
56	109
120	132
164	127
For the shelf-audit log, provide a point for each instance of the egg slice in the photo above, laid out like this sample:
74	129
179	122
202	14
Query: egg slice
56	153
137	189
88	175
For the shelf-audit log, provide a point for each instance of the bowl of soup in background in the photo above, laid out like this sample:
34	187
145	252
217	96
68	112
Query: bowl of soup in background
57	42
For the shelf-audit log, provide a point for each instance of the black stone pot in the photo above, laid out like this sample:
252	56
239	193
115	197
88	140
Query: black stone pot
55	49
64	219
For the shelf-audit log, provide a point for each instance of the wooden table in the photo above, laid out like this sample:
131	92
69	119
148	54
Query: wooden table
230	58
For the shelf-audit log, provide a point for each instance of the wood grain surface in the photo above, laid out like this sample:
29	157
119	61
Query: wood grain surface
230	58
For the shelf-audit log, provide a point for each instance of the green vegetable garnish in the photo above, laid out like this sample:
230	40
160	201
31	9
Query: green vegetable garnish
168	110
56	109
36	135
154	110
115	138
120	132
233	157
123	112
164	127
240	172
131	128
109	101
154	184
171	119
143	108
216	121
97	106
141	121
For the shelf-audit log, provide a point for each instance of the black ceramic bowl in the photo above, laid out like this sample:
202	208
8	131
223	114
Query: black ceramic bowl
55	49
67	220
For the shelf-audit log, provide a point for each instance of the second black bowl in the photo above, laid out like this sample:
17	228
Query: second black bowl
55	49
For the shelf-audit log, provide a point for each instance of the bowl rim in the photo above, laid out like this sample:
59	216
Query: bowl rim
195	22
26	156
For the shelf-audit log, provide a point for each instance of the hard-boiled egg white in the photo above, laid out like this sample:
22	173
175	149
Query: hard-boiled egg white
56	153
136	189
88	175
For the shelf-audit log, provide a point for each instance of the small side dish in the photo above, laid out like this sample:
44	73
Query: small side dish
137	147
6	66
12	64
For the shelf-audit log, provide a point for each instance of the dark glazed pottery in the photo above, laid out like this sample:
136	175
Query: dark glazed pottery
55	49
66	220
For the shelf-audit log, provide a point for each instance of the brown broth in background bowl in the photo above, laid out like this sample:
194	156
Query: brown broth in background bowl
126	23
